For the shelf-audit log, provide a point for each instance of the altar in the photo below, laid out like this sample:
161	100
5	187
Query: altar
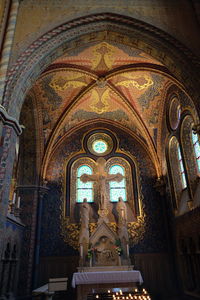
104	261
88	282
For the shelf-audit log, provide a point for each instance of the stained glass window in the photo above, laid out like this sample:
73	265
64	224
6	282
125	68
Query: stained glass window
182	170
196	145
84	190
99	146
117	189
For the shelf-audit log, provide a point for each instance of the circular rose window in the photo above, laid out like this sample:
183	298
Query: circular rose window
100	144
174	113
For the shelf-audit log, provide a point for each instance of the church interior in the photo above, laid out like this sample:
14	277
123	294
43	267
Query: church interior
100	149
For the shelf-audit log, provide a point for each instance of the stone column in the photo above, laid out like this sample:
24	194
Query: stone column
43	190
31	199
9	131
7	45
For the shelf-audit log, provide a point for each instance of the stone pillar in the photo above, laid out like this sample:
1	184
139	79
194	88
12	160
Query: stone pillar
43	190
31	199
7	46
9	131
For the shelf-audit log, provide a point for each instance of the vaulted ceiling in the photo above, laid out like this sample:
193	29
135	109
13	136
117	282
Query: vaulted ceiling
106	82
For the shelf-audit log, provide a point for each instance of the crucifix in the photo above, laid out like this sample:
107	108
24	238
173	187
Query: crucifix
101	177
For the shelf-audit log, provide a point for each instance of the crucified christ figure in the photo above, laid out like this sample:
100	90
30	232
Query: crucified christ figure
101	177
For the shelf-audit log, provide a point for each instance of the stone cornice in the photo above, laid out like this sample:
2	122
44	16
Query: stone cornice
10	121
39	188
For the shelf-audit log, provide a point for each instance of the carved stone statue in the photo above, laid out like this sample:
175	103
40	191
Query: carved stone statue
122	226
122	210
101	177
85	213
105	254
84	231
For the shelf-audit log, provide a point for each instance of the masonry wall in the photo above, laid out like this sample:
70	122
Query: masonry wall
178	18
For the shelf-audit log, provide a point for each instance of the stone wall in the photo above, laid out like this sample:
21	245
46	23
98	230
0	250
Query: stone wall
174	17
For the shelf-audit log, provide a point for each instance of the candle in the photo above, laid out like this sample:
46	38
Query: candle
127	249
18	202
81	250
14	198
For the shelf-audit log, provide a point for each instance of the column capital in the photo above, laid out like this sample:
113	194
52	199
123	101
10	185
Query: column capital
160	185
41	189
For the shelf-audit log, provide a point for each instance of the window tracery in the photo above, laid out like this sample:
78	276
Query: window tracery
117	189
184	152
190	144
84	190
177	169
181	169
86	163
196	147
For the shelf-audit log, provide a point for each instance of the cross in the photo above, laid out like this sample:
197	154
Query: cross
101	177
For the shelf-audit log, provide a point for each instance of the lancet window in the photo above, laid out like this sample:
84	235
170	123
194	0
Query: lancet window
196	147
84	190
117	189
181	169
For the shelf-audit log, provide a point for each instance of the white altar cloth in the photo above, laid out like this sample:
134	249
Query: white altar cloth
106	277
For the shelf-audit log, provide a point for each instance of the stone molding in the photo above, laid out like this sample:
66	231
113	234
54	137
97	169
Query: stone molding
30	64
10	121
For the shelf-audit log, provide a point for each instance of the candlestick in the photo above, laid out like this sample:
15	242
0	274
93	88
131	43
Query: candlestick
14	198
18	202
81	250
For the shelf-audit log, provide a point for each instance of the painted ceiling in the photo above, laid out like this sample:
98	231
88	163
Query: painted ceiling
104	81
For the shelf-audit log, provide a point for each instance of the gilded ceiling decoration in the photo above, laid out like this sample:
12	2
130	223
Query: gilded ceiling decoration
68	80
83	86
104	57
100	101
136	80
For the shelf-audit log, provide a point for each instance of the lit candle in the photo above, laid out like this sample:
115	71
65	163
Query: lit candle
127	249
18	202
120	292
81	250
108	291
97	296
14	198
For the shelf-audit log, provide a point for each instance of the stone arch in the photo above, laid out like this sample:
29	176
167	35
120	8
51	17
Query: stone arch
86	30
